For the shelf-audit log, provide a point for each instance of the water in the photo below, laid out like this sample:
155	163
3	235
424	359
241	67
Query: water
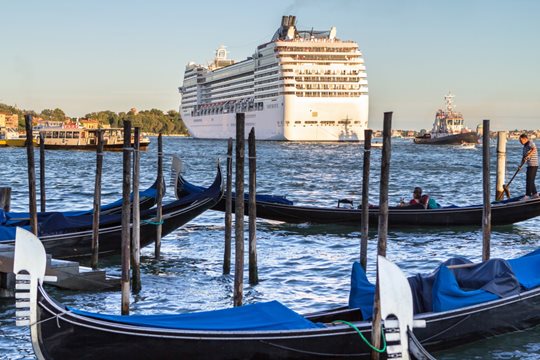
305	266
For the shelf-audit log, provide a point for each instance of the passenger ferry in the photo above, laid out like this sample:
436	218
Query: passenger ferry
300	86
84	139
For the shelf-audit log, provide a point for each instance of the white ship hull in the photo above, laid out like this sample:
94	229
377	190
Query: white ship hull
292	119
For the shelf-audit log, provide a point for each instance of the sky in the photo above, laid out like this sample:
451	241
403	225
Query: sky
87	56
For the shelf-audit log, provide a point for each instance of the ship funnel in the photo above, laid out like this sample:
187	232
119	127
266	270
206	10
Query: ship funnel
284	21
292	20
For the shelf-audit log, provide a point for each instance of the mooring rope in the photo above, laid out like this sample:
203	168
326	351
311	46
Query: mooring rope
383	349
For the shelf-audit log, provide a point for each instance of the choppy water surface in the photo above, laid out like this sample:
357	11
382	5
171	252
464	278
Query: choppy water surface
304	266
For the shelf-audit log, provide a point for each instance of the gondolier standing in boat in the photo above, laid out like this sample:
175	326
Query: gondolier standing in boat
530	155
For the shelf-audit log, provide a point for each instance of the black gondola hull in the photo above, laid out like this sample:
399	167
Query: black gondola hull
65	335
503	214
77	243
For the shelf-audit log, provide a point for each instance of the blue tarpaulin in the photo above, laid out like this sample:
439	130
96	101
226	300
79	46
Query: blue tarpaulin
446	289
261	316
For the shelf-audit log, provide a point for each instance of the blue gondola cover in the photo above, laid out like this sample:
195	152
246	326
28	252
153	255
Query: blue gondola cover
261	316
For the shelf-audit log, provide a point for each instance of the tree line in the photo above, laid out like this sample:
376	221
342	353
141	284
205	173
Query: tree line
150	121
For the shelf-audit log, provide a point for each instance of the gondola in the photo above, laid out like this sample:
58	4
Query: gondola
71	237
502	212
257	331
147	199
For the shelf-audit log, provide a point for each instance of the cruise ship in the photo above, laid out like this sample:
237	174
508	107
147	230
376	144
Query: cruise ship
300	86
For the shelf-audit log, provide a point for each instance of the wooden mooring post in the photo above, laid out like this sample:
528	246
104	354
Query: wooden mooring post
228	211
365	198
159	205
239	212
5	198
32	203
252	209
501	165
382	229
136	227
97	201
486	213
42	196
126	216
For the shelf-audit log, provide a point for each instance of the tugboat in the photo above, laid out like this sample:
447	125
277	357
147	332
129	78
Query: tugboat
448	128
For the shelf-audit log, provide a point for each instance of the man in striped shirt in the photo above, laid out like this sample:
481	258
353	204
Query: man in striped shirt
530	155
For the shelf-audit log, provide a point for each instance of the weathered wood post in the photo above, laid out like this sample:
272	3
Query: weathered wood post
365	198
228	211
486	213
253	272
501	165
5	198
239	212
126	216
97	201
136	227
159	205
32	203
42	196
383	228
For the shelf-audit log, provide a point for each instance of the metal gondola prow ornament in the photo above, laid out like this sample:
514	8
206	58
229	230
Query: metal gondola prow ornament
30	258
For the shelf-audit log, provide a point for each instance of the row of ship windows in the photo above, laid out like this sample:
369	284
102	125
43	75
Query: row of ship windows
240	107
230	87
316	49
327	87
260	68
323	122
327	72
326	79
321	57
229	97
250	74
352	63
328	94
267	74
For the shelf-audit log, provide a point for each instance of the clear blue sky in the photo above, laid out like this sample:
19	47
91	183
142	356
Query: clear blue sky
84	56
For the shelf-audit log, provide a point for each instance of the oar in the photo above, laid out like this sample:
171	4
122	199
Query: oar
506	187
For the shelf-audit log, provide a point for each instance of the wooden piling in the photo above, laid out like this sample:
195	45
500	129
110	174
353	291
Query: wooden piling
32	203
486	213
253	272
228	211
382	229
159	205
42	196
5	198
136	227
501	165
97	201
365	198
239	212
126	216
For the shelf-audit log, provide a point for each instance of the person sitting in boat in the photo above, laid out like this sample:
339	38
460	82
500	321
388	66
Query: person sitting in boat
420	201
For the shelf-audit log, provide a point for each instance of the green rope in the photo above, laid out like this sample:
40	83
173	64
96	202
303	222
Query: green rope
150	222
363	337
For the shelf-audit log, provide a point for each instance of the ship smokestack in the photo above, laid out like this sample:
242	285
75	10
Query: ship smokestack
284	21
292	21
